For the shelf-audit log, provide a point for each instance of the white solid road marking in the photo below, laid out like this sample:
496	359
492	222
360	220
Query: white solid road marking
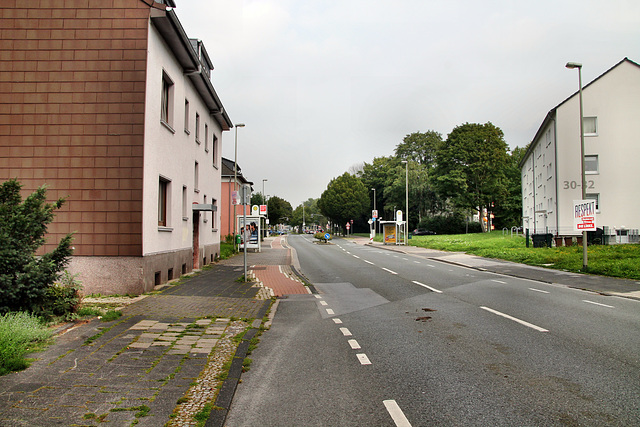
427	286
539	290
345	332
337	321
396	413
356	256
368	262
329	311
597	303
364	360
390	271
515	319
324	303
354	344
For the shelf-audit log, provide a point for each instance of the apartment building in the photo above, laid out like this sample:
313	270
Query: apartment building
110	104
551	168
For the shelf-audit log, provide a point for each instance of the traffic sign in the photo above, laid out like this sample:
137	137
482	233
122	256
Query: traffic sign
374	214
327	236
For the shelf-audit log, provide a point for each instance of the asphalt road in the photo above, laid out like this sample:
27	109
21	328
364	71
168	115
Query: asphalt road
392	339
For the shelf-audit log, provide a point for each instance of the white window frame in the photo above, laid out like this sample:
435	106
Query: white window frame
595	125
166	101
586	163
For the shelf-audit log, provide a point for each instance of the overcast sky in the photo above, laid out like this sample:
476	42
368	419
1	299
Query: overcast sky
326	85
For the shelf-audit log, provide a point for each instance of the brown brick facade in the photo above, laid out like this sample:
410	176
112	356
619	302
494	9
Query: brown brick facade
72	93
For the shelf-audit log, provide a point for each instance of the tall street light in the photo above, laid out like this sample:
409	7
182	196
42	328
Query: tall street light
577	65
235	177
374	208
263	202
406	195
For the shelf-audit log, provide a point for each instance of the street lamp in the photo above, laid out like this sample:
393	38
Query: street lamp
572	65
406	194
235	178
375	220
263	202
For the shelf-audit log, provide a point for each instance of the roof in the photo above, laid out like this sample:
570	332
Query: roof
227	171
552	113
171	30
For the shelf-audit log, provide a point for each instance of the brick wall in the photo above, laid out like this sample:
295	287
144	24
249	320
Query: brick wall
72	92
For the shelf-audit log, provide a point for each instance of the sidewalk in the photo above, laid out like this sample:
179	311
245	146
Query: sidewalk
162	357
601	284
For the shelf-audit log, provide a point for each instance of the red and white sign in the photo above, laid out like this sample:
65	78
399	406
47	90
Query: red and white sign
263	210
348	226
584	215
374	213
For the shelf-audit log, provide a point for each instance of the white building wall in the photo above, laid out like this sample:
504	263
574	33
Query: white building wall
614	100
172	154
551	174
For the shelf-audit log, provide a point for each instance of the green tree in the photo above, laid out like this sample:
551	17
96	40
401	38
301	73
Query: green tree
470	166
508	211
279	211
310	216
420	147
24	277
379	175
345	198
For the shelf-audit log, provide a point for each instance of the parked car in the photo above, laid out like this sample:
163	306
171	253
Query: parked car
423	232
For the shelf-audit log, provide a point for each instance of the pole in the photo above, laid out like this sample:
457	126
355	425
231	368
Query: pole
235	182
406	191
246	240
584	182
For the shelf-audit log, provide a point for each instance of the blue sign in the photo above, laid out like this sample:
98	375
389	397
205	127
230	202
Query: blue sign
327	236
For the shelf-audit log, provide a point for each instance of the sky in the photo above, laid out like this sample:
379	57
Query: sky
324	86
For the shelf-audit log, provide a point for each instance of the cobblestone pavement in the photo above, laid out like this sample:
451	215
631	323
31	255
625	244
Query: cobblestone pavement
162	357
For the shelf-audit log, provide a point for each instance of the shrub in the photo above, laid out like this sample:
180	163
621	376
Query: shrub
320	236
25	277
62	298
449	224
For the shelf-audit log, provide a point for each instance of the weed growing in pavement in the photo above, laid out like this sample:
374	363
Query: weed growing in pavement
202	416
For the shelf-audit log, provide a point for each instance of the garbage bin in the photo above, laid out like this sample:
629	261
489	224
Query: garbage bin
542	240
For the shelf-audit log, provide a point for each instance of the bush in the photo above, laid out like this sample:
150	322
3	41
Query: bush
25	277
320	236
449	224
62	298
18	333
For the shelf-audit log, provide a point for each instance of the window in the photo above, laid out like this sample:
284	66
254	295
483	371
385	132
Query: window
185	213
198	128
590	126
596	197
214	213
214	147
591	164
166	111
163	202
186	116
206	138
195	178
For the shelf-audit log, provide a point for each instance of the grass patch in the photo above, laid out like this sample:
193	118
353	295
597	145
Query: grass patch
226	250
20	333
202	416
111	315
607	260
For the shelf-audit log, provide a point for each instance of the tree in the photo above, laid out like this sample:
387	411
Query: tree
25	277
279	211
420	147
470	167
345	198
310	215
508	211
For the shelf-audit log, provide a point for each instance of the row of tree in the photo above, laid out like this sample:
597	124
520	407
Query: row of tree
471	171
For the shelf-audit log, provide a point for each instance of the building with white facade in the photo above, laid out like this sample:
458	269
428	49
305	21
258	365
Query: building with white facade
110	104
551	167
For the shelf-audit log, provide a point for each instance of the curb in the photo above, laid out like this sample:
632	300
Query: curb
221	406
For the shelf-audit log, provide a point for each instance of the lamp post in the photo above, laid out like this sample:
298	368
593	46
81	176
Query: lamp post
572	65
235	179
263	202
406	195
374	208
